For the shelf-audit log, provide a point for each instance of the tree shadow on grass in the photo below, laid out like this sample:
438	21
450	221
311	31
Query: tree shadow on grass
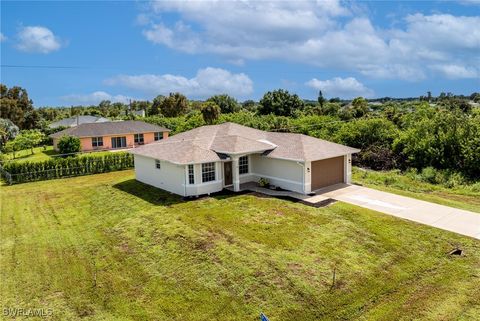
148	193
50	152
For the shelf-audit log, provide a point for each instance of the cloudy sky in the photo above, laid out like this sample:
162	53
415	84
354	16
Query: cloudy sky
68	52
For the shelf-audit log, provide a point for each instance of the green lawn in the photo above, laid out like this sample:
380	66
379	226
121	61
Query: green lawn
105	247
41	154
460	197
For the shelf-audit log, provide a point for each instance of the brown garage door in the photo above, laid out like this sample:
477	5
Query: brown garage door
327	172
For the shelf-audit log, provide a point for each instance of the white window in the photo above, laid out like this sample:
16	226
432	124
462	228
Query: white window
208	172
158	136
191	174
157	164
138	138
243	165
97	141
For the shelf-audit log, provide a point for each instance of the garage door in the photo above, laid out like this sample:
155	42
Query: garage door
327	172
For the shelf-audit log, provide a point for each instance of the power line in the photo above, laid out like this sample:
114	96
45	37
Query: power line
176	69
43	67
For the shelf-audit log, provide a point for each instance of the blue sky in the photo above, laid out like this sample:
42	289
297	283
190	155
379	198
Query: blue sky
139	49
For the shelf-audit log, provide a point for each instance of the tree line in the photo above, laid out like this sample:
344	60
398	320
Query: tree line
440	132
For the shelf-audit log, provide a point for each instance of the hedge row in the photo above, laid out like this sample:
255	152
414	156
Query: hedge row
22	172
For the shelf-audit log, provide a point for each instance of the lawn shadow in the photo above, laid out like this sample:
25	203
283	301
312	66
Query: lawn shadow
50	152
18	157
153	195
159	196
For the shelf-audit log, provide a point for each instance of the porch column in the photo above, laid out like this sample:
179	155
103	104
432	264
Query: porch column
236	175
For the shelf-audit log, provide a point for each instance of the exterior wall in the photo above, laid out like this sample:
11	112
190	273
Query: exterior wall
86	142
200	188
174	178
249	177
148	138
282	173
348	168
289	175
169	177
55	142
307	177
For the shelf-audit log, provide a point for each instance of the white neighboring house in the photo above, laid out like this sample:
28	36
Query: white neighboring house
209	158
78	120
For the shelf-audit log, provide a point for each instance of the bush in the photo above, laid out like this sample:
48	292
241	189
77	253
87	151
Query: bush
429	175
69	145
22	172
263	182
389	180
363	133
377	157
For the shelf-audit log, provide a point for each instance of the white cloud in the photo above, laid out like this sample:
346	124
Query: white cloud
456	71
321	33
2	37
340	87
207	82
95	98
37	39
470	2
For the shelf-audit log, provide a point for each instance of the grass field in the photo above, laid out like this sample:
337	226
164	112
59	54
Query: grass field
105	247
460	197
41	154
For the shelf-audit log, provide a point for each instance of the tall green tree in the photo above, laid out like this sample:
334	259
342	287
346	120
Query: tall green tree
226	103
30	138
156	106
280	102
320	99
14	146
359	107
8	131
210	112
174	105
15	105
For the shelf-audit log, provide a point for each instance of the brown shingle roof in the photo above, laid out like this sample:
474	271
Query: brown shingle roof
110	128
202	145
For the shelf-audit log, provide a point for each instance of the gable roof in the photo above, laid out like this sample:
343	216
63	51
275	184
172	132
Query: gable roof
204	144
77	120
110	128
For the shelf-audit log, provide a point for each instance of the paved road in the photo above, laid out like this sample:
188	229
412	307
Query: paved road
443	217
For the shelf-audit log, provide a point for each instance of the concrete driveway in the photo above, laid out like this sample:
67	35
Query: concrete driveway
443	217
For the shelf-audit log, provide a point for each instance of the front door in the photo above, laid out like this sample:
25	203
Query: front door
227	173
119	142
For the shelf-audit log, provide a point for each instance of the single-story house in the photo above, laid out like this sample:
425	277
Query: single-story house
209	158
78	120
113	134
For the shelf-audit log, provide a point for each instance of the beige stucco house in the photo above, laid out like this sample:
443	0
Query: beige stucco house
210	158
113	135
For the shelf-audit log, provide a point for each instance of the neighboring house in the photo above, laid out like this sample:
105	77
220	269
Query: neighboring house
113	135
140	113
78	120
209	158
